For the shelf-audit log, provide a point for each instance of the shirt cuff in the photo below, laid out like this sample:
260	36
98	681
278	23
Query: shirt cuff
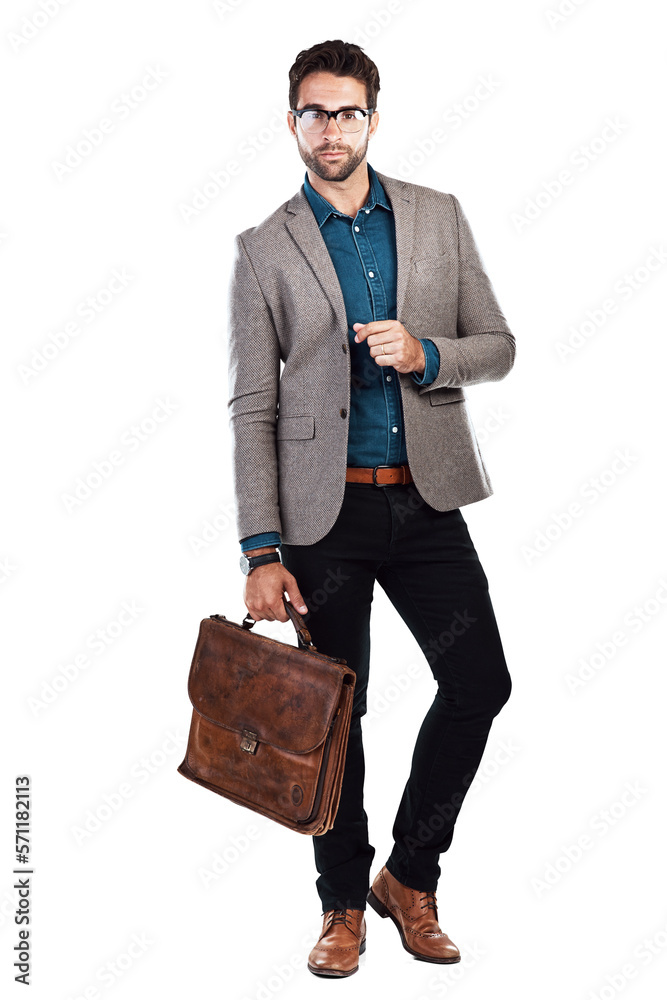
432	363
259	541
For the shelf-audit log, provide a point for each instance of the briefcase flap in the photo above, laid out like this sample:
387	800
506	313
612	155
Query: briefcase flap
285	695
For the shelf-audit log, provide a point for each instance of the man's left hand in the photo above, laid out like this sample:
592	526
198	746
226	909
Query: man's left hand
402	351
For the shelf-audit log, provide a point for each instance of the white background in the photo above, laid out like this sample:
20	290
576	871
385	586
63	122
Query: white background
529	914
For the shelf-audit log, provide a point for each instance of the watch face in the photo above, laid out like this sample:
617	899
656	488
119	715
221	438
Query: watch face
244	563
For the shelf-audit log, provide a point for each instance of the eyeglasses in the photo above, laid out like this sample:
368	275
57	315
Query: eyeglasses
347	119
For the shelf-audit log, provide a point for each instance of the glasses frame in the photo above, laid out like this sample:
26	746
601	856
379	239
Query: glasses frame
298	112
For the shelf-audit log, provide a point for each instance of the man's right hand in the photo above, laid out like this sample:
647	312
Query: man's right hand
264	588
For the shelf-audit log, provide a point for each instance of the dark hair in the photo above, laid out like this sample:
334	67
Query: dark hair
341	59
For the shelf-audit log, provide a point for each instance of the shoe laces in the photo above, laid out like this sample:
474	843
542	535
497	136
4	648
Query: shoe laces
340	917
428	901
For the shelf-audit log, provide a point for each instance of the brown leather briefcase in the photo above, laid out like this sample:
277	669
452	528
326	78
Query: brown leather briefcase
270	722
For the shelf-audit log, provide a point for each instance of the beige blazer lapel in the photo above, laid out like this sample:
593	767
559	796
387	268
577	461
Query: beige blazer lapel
403	207
302	224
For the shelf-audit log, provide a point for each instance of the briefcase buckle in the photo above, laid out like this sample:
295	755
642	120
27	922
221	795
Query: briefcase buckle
249	741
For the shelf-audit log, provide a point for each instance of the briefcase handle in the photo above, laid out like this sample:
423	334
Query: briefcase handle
302	633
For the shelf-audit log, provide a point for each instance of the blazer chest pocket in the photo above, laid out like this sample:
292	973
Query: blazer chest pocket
431	263
445	394
295	428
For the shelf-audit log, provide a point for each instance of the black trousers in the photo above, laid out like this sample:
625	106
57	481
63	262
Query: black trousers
426	563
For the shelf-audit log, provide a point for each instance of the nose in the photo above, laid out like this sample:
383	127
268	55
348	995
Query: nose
333	130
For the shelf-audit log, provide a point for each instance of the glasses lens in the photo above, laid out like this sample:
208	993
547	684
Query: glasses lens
350	121
313	121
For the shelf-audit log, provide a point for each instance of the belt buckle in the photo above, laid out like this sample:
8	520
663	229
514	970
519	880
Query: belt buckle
375	478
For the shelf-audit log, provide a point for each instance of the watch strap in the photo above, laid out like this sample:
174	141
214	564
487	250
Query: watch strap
265	557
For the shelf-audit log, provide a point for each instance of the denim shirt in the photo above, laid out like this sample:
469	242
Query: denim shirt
363	252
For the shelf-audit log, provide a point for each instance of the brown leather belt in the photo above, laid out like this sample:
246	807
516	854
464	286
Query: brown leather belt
381	475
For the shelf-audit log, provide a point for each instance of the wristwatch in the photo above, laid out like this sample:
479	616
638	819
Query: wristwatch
248	563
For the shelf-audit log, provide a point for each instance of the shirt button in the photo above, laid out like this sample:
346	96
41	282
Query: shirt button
367	211
394	430
356	229
371	274
343	412
388	378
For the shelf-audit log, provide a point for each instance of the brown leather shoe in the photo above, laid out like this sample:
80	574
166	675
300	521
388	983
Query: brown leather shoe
416	916
342	940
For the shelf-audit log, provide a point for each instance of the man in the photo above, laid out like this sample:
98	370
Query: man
354	460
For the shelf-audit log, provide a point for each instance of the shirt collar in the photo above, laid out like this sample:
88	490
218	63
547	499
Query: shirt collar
322	209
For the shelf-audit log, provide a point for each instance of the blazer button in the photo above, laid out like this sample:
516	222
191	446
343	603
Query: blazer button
343	412
344	346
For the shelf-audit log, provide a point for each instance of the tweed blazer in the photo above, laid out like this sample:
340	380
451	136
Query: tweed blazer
289	373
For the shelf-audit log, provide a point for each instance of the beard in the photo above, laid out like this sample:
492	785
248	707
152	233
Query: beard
333	170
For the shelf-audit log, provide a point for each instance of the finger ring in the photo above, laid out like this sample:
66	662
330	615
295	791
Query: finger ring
383	350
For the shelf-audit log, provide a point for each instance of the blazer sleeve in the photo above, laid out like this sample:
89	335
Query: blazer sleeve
484	347
253	365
